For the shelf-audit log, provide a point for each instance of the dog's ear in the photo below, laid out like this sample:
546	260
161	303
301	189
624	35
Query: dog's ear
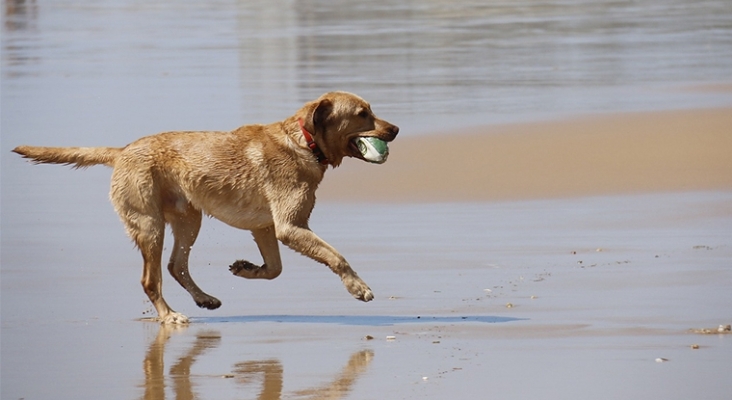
319	117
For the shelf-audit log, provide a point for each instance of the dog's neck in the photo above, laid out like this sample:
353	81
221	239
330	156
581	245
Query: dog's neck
312	145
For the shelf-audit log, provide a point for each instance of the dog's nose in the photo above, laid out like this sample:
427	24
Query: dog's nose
394	130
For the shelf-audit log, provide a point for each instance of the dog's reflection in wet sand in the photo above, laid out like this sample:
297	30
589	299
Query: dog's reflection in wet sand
154	364
269	371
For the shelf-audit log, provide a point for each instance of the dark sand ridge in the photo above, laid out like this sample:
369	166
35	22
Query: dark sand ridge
625	153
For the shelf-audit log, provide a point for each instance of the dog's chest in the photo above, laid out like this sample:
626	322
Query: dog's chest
240	211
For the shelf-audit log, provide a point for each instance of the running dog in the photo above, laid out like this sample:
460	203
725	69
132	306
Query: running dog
261	178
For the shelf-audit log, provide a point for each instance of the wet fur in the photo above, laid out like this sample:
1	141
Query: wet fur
261	178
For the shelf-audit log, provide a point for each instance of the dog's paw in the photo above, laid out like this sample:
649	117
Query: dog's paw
358	289
174	318
366	296
209	302
244	269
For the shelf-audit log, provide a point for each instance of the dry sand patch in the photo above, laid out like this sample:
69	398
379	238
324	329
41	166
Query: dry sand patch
593	155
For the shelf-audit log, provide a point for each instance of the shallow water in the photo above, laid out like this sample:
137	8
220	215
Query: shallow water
122	69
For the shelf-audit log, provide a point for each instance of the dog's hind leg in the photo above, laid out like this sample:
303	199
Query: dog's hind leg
269	248
185	226
137	201
149	238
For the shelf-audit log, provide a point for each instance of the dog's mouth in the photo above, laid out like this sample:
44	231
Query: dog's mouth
370	148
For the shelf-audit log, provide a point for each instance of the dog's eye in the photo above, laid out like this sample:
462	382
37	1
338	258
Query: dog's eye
363	114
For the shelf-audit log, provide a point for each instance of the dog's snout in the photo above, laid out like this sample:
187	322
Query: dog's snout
386	130
392	132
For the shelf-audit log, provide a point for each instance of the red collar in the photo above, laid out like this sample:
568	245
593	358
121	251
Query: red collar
312	145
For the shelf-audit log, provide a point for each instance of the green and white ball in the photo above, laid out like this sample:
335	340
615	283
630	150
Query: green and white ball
373	149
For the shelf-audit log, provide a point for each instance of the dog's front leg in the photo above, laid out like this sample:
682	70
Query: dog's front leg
304	241
268	247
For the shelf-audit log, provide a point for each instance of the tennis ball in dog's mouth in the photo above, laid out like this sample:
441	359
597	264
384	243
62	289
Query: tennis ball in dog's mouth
373	149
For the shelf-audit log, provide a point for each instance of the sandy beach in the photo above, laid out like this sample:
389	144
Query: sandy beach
593	155
560	260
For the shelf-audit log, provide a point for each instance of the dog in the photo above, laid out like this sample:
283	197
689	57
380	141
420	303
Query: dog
261	178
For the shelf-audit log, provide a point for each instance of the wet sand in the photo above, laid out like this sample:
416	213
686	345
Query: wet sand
554	260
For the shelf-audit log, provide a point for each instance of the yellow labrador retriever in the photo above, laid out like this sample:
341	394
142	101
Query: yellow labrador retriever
258	177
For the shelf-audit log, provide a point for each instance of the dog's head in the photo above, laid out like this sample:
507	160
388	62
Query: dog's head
338	119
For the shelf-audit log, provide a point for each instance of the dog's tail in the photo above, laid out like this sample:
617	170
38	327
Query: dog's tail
79	157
